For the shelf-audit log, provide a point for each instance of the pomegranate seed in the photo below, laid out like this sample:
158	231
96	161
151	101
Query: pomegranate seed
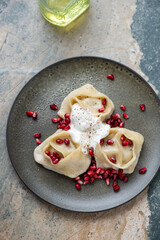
37	135
120	171
79	182
55	154
90	173
62	126
125	143
115	124
121	124
142	170
101	110
91	152
55	161
113	171
105	175
108	171
98	170
66	141
104	101
77	178
34	116
38	141
92	180
48	153
86	182
125	179
67	128
108	121
101	141
63	122
54	120
110	76
68	120
125	116
123	137
123	108
112	159
110	142
116	116
130	143
121	176
107	181
142	107
59	119
119	120
115	183
78	186
29	114
102	171
116	188
59	141
58	126
114	176
53	158
99	177
85	175
95	176
92	167
86	178
67	115
54	107
111	175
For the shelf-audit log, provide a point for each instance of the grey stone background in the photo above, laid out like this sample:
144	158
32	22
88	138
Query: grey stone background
126	31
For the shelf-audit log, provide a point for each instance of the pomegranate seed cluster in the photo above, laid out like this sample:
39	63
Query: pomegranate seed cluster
108	142
55	157
63	123
115	121
104	102
37	136
66	141
110	176
32	114
126	141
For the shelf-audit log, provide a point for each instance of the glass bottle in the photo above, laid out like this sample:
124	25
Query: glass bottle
62	12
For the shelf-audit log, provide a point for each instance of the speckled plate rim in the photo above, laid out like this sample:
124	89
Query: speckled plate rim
32	79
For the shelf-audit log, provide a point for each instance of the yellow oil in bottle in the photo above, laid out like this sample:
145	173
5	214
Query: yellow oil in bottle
62	12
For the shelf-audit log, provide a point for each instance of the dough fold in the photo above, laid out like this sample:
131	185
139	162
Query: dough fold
126	156
87	97
73	163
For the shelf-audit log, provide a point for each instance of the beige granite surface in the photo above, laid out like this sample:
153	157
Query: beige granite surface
27	44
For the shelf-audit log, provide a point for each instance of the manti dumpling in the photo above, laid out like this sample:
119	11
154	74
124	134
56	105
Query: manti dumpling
87	97
123	153
73	161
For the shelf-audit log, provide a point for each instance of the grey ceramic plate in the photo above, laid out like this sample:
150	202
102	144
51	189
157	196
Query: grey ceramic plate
51	85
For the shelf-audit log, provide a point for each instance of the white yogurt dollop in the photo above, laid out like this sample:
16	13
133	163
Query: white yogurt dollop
86	129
